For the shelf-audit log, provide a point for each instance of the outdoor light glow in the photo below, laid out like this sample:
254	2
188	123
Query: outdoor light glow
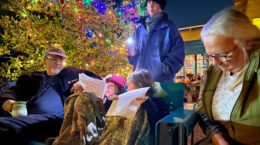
256	21
129	40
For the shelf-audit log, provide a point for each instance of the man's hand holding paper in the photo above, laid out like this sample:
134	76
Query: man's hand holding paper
92	85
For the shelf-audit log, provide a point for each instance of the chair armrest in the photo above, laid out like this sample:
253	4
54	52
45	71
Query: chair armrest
32	142
182	117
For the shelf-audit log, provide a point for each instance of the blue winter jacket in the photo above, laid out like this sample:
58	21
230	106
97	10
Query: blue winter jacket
160	51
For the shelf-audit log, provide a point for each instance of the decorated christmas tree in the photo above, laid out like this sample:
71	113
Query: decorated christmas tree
92	32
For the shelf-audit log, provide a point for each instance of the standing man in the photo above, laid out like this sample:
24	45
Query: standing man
157	45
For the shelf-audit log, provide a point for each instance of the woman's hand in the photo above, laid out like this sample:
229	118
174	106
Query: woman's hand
218	139
77	88
141	99
8	105
112	97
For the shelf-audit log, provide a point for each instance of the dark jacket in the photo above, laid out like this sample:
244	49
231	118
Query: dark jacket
45	114
152	113
29	85
63	82
161	51
45	106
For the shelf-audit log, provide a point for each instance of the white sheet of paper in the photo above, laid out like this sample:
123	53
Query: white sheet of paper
92	85
124	106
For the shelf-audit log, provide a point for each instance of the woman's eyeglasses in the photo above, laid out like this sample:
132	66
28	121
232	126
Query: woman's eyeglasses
220	57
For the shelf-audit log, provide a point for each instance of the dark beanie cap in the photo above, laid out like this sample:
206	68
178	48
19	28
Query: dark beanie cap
162	3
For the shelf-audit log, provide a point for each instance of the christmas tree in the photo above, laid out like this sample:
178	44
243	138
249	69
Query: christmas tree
92	32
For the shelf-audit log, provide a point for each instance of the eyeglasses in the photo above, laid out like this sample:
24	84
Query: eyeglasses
221	57
54	58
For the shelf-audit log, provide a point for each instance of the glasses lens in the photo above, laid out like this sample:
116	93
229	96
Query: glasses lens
220	58
53	58
208	57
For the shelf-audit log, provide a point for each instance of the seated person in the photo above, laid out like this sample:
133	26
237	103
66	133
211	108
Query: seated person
230	100
85	120
196	80
45	94
141	79
115	86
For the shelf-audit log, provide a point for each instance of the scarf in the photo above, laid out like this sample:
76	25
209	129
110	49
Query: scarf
151	22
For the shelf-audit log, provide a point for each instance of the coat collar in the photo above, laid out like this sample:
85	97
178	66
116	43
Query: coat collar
163	23
254	58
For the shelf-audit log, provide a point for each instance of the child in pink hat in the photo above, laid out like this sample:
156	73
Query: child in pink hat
115	86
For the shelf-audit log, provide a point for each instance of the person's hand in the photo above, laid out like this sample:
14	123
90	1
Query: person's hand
107	77
130	49
140	100
8	105
130	53
112	97
127	52
77	88
218	139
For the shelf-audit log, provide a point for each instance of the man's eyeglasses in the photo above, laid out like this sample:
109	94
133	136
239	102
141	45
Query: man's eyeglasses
54	58
220	57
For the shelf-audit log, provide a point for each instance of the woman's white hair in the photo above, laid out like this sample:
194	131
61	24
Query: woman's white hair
231	23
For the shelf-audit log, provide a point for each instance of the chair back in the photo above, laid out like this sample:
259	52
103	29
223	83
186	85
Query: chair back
174	99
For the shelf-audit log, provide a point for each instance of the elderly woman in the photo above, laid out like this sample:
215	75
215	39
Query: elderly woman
230	97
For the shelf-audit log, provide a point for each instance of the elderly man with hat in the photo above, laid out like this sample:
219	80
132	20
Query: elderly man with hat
157	45
45	94
54	60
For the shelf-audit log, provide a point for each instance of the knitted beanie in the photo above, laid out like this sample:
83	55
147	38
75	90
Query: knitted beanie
118	80
162	3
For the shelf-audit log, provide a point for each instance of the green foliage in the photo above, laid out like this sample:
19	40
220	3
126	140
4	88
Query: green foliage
37	24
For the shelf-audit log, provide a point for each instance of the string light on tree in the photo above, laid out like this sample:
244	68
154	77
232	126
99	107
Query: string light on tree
34	1
89	33
119	13
108	41
100	35
86	29
87	2
75	9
